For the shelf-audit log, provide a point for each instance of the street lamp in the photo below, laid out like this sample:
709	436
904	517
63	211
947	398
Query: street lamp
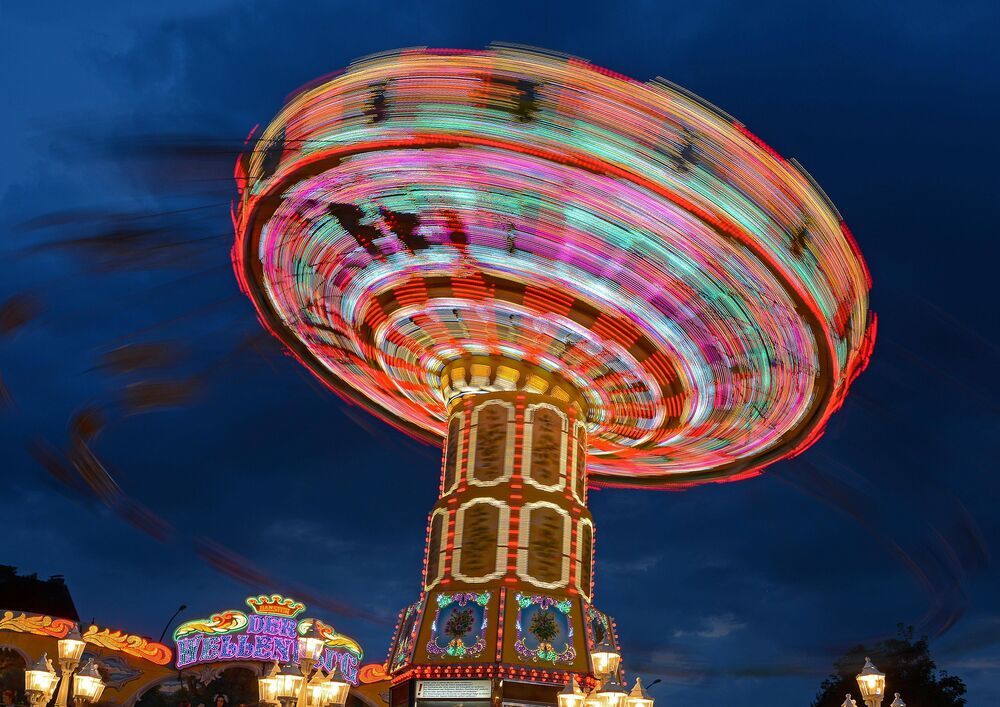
571	695
613	694
311	645
638	697
288	685
872	684
39	681
88	685
314	689
310	648
333	691
70	651
267	686
606	659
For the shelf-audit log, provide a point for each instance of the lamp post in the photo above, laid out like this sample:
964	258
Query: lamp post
88	685
612	694
872	684
70	651
326	691
267	686
332	691
288	685
39	681
605	658
638	697
571	695
314	688
310	650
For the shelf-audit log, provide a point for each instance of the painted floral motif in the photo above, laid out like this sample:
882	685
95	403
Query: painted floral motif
459	627
544	629
599	627
407	634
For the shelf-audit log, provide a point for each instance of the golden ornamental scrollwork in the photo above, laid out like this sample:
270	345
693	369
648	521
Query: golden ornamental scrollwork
53	627
129	643
37	624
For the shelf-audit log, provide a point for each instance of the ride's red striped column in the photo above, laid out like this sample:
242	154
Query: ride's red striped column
512	509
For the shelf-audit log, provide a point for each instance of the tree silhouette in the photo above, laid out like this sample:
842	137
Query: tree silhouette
909	670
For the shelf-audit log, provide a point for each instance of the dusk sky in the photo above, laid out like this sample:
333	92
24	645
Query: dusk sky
130	116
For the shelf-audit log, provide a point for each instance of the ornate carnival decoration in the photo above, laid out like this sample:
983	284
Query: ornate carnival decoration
544	629
459	626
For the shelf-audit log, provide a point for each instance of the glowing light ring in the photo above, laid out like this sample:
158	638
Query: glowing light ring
696	287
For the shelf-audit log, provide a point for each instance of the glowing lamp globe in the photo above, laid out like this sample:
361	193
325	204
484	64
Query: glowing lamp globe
71	647
40	678
571	695
88	686
267	689
314	693
288	682
606	659
638	697
569	279
612	693
311	644
334	691
871	682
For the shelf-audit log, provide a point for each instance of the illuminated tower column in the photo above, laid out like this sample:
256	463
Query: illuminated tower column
508	573
512	510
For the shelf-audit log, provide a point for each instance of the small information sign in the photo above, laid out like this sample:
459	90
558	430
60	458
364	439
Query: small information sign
453	689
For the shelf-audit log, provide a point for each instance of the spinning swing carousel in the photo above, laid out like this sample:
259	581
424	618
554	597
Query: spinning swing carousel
574	280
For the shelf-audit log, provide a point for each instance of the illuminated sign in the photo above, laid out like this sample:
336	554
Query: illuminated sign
269	632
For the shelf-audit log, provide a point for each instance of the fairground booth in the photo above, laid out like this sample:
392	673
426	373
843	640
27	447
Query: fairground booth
267	652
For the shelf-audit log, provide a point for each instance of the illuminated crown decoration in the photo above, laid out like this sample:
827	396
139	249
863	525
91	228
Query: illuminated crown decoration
275	605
